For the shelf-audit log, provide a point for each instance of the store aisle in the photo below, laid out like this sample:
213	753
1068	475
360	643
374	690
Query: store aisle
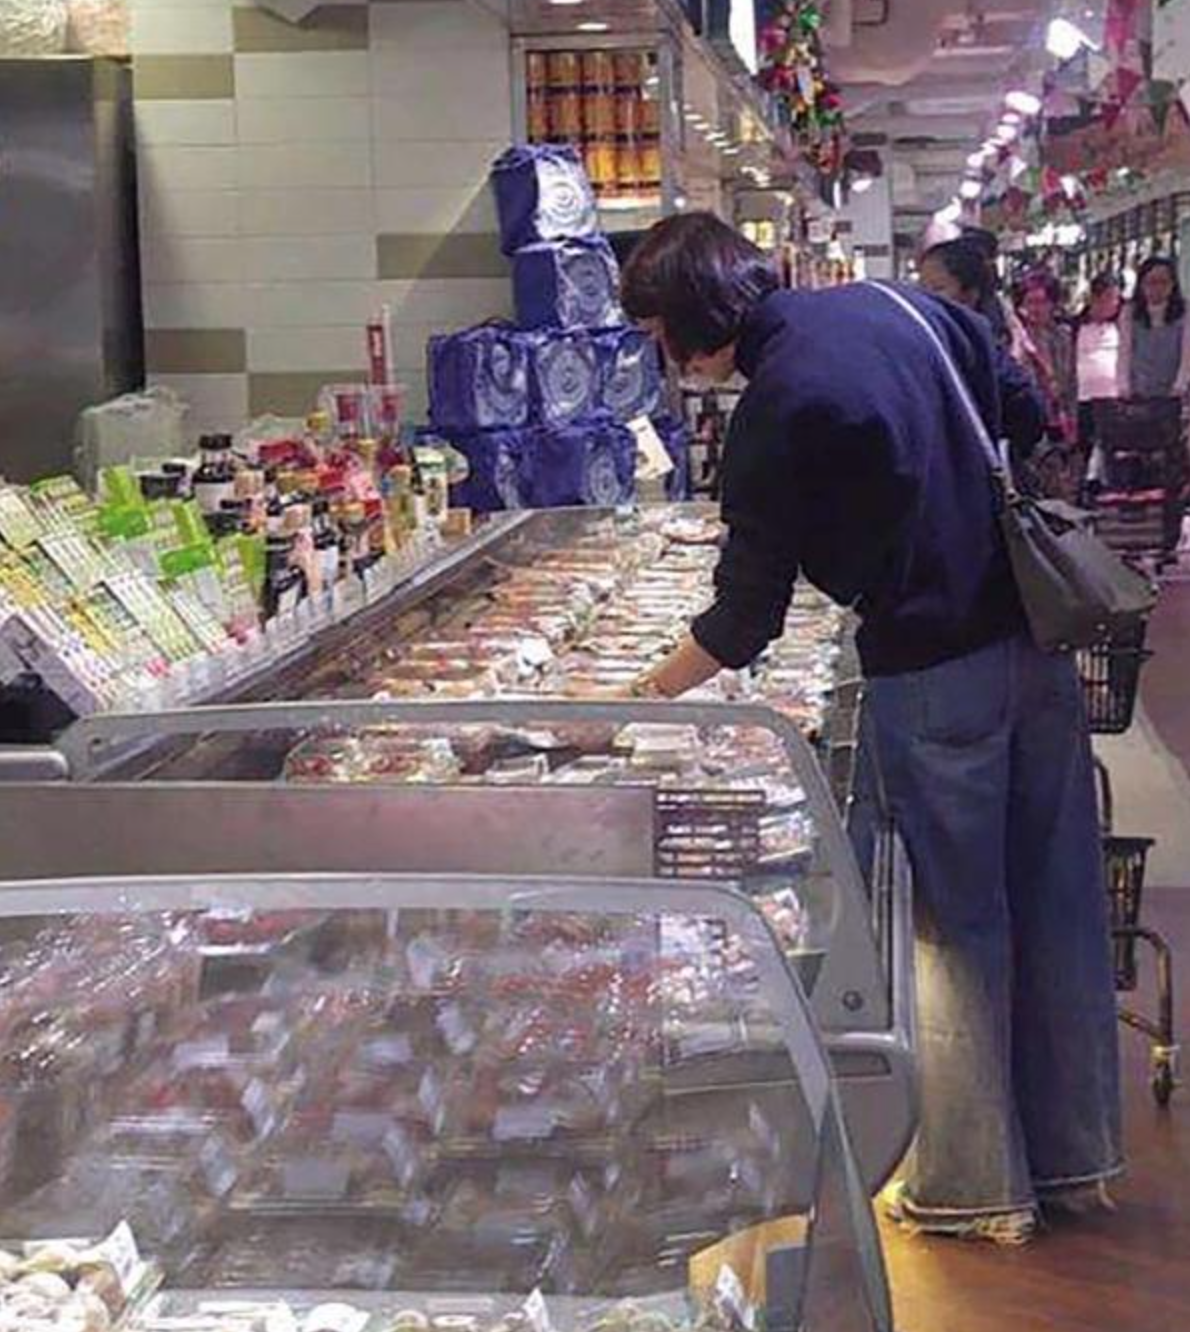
1121	1273
1125	1272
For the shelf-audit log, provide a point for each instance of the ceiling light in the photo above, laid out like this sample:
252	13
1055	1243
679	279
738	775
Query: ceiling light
1004	135
593	25
1010	118
1023	102
566	2
1065	39
970	189
733	151
951	213
976	160
861	184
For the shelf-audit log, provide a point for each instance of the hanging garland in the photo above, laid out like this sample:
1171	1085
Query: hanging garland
793	70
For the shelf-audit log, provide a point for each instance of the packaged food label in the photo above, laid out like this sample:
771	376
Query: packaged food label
217	1166
537	1312
212	1052
119	1250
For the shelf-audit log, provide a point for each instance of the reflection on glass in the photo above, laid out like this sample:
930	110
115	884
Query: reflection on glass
425	1114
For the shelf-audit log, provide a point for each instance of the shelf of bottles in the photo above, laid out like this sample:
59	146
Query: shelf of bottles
607	104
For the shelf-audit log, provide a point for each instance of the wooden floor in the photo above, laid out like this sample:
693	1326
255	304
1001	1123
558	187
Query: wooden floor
1127	1272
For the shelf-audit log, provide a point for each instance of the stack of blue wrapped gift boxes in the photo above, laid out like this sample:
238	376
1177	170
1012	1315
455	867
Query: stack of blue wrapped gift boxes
540	408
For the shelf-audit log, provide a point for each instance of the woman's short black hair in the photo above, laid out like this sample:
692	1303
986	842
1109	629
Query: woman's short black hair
700	278
1177	302
966	262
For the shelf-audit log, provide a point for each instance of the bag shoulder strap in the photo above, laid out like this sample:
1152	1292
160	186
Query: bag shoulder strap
991	453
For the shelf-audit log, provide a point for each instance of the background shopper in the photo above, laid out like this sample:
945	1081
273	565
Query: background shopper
959	270
861	474
1048	355
1155	346
1097	360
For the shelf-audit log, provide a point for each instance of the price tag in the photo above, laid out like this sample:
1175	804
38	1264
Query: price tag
652	458
217	1166
537	1312
514	1123
119	1251
211	1053
258	1103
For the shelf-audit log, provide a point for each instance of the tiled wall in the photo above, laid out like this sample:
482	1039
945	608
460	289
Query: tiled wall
294	177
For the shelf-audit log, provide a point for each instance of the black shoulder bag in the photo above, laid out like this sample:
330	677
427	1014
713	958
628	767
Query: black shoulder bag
1075	590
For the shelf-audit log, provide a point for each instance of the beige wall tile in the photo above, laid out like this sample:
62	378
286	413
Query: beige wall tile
181	168
190	212
418	99
216	402
281	350
190	124
308	258
284	120
448	302
195	351
297	304
328	28
470	208
452	256
304	74
206	305
292	393
436	25
183	77
181	30
306	165
305	212
406	164
190	259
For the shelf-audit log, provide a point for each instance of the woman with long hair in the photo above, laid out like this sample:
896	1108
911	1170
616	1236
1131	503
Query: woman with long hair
1048	355
1155	346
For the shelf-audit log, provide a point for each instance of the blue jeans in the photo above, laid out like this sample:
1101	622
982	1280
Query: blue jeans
986	765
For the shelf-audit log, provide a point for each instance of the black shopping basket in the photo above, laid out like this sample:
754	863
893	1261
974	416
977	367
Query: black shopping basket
1110	675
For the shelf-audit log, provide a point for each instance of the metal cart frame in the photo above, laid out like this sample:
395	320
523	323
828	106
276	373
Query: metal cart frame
1110	675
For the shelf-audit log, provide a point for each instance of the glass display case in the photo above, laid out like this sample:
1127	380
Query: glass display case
430	1103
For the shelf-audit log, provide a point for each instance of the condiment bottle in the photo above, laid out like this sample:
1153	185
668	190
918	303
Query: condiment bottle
215	479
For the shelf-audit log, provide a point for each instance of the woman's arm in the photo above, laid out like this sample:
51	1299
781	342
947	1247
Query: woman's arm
1182	383
1124	365
686	667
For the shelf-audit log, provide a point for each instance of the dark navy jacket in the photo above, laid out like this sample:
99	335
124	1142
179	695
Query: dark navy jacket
850	461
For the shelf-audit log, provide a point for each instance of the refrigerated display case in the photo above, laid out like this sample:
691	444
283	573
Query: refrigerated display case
432	1104
432	738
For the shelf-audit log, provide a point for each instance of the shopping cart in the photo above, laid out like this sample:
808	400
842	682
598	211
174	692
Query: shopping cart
1110	675
1141	472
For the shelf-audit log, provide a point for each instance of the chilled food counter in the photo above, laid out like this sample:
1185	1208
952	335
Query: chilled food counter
436	1104
441	739
571	603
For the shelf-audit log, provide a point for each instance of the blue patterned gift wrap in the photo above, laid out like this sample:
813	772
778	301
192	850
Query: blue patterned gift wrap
542	194
567	284
563	376
479	379
629	373
499	462
592	463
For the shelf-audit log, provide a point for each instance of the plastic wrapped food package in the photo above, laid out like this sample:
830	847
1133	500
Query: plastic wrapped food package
32	27
99	27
